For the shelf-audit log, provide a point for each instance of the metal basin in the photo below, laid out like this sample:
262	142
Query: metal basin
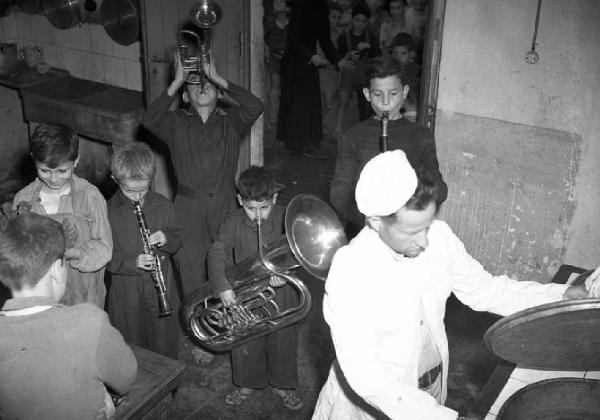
554	399
95	110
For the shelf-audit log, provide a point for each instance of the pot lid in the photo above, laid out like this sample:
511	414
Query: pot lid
562	335
120	20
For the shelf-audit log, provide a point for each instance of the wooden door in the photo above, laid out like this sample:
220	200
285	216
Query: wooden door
230	39
431	65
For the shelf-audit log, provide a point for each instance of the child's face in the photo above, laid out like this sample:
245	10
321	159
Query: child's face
359	23
134	188
200	96
401	54
279	6
255	209
334	18
56	178
386	95
374	4
396	9
345	4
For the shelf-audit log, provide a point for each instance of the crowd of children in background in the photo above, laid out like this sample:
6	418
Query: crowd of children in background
360	29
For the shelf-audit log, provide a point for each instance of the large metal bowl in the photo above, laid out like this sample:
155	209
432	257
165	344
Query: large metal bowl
554	399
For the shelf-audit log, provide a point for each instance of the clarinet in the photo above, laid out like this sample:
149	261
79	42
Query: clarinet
157	275
383	138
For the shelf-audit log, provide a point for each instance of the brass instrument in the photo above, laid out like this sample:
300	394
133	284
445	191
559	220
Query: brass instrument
194	48
383	138
157	275
313	235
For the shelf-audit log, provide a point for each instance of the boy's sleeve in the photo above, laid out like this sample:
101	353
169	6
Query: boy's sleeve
172	232
217	258
159	119
96	253
250	108
428	158
341	193
115	361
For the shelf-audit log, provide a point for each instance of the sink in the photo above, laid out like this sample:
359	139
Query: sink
95	110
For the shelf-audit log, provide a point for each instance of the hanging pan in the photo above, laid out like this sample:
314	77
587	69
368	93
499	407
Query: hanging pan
63	14
120	20
31	7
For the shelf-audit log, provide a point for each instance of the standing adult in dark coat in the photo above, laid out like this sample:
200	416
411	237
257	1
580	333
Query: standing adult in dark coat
300	123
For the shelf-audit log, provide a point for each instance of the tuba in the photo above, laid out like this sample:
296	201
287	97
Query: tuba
313	235
194	48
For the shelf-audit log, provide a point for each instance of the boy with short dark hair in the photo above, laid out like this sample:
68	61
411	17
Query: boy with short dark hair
132	298
402	52
271	359
386	92
63	196
55	360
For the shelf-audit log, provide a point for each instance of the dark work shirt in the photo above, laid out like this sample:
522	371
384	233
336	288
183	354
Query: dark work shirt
348	41
236	241
360	144
205	154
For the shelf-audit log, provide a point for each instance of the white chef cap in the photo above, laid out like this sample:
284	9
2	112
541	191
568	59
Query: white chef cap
386	183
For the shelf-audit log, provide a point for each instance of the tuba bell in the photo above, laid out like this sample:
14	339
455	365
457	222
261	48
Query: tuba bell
313	235
194	45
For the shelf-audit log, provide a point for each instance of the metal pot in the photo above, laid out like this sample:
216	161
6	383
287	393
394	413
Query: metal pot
554	399
63	14
120	20
8	59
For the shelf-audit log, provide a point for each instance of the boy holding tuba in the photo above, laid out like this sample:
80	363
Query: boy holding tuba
271	359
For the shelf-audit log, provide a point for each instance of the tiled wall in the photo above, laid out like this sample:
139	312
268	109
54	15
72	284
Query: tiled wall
85	51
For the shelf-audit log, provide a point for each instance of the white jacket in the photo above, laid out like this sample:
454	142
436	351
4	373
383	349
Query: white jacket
372	305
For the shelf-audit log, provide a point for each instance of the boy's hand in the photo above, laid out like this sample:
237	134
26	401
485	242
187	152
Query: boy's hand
276	281
158	238
345	65
145	262
181	75
73	255
209	68
318	61
228	298
363	46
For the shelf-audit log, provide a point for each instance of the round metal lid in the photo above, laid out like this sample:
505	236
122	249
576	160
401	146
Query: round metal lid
120	20
562	335
314	233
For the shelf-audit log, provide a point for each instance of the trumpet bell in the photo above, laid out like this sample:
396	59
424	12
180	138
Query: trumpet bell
314	233
206	14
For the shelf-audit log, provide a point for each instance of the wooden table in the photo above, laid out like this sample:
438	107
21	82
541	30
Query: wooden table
504	369
151	393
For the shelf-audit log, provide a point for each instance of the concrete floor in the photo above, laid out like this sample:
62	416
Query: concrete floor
202	391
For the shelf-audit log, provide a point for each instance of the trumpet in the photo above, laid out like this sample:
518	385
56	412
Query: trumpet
194	48
383	138
157	275
313	235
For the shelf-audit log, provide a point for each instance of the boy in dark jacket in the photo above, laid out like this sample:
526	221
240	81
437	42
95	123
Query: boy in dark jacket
132	299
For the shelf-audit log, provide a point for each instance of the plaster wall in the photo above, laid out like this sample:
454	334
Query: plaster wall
518	142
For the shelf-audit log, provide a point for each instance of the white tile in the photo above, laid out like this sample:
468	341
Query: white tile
93	67
512	386
73	61
23	26
100	42
133	70
63	37
128	52
8	27
114	71
592	374
53	55
80	37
